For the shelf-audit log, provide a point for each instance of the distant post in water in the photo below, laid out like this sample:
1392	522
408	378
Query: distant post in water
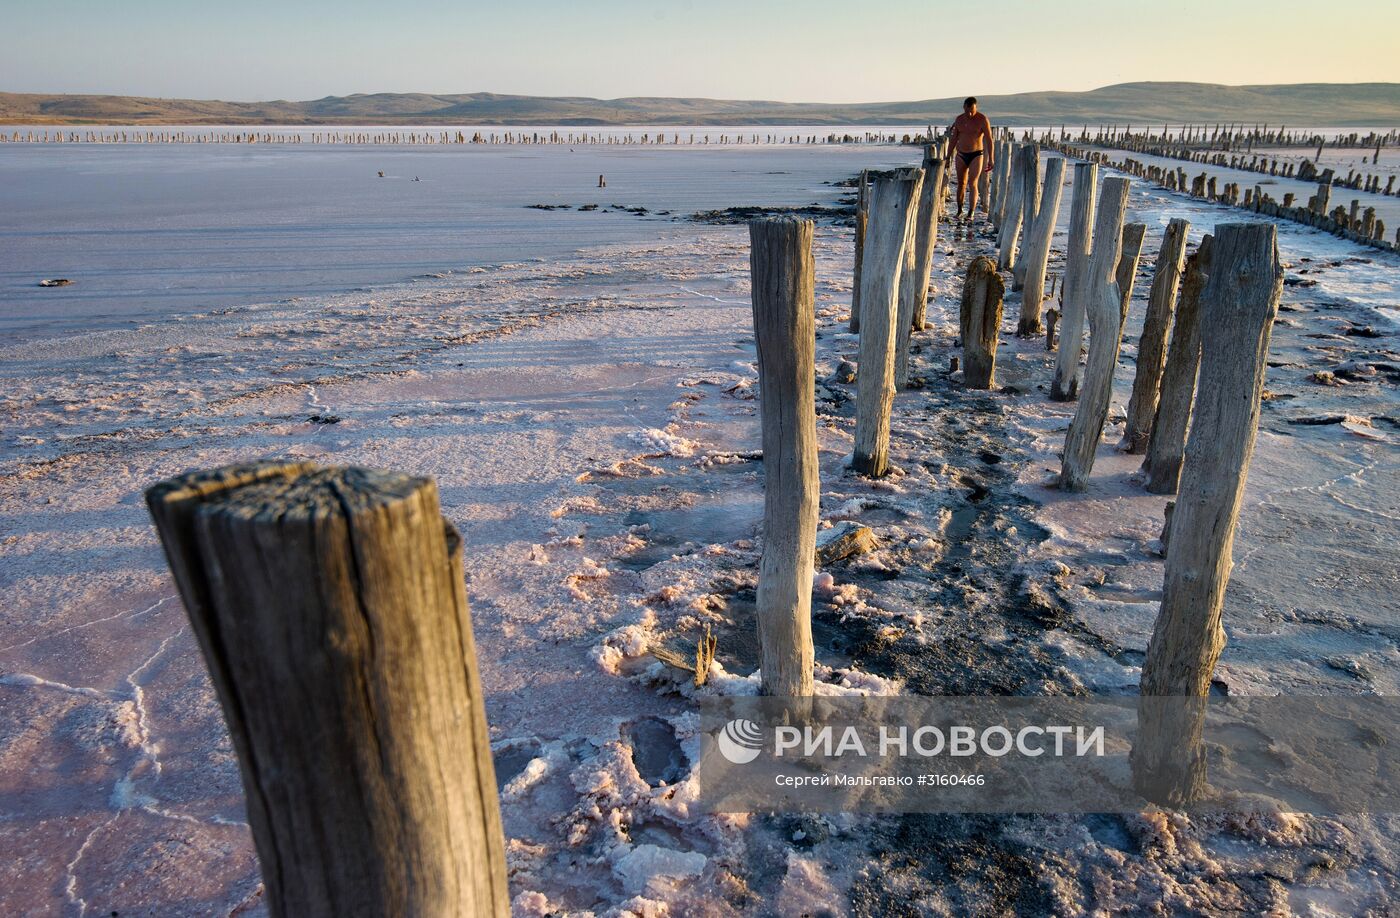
331	611
1241	297
784	321
1152	345
1037	253
1103	297
979	321
1166	443
1065	385
893	204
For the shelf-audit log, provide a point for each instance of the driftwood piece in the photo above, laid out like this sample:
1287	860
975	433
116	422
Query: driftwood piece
783	280
331	611
842	541
1152	345
1241	297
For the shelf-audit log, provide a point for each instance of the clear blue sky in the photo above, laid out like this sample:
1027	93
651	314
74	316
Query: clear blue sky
814	50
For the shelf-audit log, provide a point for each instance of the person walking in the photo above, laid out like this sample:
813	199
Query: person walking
971	138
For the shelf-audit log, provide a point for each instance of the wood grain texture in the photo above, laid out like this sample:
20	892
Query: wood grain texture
1166	445
784	321
330	608
1241	301
1152	345
893	203
1037	254
1065	385
1103	298
980	322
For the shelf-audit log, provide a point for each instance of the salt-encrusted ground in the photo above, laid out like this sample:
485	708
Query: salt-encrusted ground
591	421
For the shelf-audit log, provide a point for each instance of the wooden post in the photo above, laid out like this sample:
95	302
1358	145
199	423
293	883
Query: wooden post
1103	299
935	171
1166	444
1030	210
893	204
1065	385
918	262
999	183
1037	253
330	608
1152	346
1011	218
784	322
979	320
1126	274
862	216
1241	298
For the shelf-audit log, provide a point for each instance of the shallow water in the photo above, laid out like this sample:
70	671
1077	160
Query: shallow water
160	230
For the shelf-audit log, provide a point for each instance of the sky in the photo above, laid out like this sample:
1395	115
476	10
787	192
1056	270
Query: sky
808	51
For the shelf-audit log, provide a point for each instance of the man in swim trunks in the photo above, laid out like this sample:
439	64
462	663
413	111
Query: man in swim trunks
971	155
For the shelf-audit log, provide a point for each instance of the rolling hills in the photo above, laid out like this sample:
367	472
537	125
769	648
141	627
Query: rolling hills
1320	104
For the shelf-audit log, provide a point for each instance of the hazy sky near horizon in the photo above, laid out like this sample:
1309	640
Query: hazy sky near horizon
808	51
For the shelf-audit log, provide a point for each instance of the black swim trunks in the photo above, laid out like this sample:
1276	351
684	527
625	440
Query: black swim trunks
969	156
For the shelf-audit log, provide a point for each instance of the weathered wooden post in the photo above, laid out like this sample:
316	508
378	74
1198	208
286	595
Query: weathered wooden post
1166	444
1241	298
331	611
1011	217
1037	252
1103	297
918	262
984	188
935	171
1065	385
1152	345
784	321
979	320
862	216
1030	210
893	204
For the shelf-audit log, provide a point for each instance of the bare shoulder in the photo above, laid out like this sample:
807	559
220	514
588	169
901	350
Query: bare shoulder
981	120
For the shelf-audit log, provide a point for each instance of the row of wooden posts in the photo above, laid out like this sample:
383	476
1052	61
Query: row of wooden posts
1194	408
1224	137
439	138
1355	223
1305	170
330	607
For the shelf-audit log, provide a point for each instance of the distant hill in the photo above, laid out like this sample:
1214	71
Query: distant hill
1302	104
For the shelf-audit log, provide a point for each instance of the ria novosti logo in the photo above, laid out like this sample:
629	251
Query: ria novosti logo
740	741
